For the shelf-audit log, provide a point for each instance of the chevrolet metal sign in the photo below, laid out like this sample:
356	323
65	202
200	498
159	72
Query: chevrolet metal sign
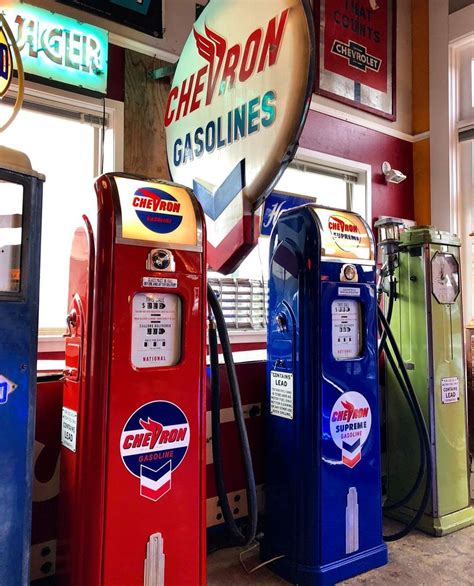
356	55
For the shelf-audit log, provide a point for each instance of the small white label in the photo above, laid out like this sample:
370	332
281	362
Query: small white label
281	394
348	292
69	429
157	283
450	390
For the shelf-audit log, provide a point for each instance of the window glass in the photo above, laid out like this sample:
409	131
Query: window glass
244	294
64	151
472	83
330	191
327	191
11	221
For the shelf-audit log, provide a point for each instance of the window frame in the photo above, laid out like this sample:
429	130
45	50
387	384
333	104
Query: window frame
364	178
25	183
462	161
69	101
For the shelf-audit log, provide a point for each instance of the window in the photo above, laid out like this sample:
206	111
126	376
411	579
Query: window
472	83
63	143
462	107
11	221
331	182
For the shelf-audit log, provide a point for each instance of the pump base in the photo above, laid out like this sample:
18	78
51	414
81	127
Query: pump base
331	573
437	526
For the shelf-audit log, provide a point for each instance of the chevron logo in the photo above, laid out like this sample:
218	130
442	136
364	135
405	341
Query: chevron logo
214	204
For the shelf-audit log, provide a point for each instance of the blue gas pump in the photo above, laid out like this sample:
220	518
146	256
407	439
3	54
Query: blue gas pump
20	230
323	515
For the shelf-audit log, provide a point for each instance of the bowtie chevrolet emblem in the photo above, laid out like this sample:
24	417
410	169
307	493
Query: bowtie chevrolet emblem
357	56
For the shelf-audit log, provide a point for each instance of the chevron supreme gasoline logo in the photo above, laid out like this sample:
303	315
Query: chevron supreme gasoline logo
350	423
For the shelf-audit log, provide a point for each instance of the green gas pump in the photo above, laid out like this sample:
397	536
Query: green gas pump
424	305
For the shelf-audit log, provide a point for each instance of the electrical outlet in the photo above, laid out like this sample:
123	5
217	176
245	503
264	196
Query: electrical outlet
43	560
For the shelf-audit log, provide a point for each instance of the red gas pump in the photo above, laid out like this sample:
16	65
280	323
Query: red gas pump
133	458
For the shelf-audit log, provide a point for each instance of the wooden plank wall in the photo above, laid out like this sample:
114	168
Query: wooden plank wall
145	102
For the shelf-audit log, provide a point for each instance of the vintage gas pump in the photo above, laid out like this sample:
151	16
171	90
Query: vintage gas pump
21	192
425	312
133	457
323	490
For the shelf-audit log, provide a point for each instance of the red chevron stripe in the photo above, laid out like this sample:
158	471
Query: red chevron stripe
351	462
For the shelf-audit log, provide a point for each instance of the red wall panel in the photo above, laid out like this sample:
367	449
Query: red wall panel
251	376
337	137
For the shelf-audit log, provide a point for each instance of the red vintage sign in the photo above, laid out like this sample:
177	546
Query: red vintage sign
356	40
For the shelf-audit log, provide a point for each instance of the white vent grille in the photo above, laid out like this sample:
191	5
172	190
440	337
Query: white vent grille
244	302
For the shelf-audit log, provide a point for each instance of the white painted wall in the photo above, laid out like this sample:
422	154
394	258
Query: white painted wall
442	206
452	174
449	36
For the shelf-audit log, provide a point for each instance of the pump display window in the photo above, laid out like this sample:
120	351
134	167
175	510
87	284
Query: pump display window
11	228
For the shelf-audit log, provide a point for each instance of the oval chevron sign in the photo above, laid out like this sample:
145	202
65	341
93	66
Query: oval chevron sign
236	108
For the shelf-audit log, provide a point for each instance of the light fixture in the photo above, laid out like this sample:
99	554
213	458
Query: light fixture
392	175
389	233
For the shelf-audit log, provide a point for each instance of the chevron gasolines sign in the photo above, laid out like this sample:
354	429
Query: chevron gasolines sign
236	107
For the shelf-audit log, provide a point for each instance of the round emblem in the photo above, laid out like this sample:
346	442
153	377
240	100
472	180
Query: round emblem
157	210
346	234
350	424
6	63
237	105
157	433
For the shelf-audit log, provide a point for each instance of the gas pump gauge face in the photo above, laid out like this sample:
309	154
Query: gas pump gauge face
445	277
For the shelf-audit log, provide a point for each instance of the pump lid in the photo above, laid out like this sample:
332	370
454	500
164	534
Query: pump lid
18	162
344	235
417	235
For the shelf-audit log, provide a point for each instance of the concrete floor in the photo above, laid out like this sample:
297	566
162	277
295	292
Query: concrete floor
416	560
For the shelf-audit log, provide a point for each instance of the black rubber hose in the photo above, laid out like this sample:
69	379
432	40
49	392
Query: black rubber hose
249	536
216	440
424	502
419	429
422	467
391	300
418	413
